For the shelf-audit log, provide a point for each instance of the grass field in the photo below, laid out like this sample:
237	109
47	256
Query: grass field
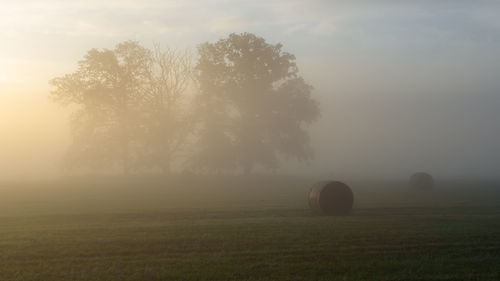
245	229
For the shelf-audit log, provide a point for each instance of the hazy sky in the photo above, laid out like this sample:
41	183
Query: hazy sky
403	85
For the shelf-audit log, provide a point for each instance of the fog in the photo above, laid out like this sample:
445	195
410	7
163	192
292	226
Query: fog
402	87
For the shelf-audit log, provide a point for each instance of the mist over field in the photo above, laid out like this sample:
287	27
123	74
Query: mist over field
249	140
401	87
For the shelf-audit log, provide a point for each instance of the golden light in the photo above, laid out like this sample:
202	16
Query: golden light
4	76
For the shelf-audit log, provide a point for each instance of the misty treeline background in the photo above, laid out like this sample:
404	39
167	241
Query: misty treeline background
237	105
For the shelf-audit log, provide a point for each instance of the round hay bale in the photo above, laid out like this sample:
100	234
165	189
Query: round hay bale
331	198
422	181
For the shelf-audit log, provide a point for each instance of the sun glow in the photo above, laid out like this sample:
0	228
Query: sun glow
4	75
7	71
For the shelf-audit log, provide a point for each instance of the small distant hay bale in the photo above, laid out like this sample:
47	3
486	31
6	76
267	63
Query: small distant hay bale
422	181
331	198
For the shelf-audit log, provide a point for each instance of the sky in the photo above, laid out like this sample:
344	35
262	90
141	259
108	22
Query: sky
403	85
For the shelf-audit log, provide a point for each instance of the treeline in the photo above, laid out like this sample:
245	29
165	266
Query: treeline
236	105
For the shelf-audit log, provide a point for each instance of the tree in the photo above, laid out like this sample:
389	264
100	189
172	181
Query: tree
253	105
105	88
127	106
168	121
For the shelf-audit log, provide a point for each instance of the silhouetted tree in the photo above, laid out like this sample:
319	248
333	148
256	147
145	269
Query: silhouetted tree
253	106
168	120
127	106
105	88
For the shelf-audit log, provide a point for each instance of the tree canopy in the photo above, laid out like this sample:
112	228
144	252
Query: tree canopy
253	105
127	103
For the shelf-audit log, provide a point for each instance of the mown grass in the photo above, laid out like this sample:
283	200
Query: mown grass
148	232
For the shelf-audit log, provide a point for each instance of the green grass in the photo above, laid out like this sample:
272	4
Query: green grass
245	229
